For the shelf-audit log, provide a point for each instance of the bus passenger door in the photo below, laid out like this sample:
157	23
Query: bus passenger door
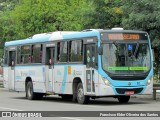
90	60
50	69
11	70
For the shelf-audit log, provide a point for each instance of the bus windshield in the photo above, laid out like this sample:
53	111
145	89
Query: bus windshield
126	58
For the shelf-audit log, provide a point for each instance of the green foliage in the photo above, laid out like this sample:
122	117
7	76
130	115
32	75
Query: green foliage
143	15
23	18
6	26
107	14
40	16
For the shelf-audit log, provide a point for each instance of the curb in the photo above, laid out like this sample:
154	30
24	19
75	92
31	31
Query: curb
147	97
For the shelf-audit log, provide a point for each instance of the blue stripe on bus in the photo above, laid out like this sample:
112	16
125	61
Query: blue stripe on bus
18	77
63	86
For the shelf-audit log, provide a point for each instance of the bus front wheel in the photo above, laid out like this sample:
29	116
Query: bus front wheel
81	98
123	99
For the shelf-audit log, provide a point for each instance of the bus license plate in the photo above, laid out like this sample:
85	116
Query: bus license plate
129	92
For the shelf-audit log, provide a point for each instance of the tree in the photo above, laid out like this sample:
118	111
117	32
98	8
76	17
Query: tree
41	16
107	14
144	15
6	26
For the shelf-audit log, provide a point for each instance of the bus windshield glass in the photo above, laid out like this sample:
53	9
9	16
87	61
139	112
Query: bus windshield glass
126	57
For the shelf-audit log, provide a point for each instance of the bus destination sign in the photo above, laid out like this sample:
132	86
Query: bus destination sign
119	36
124	36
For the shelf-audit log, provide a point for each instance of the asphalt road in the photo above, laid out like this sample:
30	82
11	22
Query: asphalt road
14	101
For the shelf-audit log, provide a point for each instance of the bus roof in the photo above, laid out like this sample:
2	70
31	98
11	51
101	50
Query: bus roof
58	35
62	35
43	37
33	39
123	31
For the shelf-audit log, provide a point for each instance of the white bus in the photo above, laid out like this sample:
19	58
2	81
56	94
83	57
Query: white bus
81	65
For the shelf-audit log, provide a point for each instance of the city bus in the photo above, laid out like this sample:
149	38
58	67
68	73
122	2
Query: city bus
80	65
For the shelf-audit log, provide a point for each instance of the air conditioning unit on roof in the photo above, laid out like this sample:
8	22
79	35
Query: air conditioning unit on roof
117	29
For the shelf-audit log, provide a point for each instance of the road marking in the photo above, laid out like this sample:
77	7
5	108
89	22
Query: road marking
71	118
10	109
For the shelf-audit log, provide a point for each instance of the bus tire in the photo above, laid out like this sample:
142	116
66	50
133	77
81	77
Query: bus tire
29	91
81	98
123	99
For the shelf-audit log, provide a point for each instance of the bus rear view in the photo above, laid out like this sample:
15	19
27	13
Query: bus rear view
126	63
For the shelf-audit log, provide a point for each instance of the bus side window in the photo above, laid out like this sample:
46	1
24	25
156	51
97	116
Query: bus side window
63	52
22	59
69	50
6	56
19	57
25	54
76	50
48	56
41	54
31	56
58	51
37	53
12	58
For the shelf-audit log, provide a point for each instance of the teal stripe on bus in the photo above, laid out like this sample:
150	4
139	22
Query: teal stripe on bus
64	79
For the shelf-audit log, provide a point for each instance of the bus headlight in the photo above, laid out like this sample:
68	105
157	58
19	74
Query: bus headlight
106	81
149	82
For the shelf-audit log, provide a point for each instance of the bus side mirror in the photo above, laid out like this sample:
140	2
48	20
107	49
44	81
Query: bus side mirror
100	50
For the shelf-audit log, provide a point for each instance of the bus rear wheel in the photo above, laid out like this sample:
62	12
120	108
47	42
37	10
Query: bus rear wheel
81	98
30	94
123	99
29	91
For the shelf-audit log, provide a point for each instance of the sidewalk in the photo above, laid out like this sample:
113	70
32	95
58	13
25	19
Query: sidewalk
147	97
